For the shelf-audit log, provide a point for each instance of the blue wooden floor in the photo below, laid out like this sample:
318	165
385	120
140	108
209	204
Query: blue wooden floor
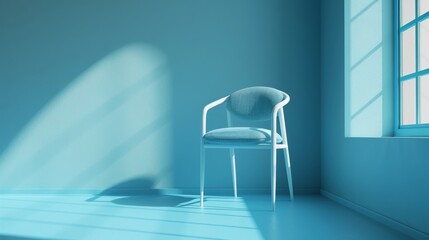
180	217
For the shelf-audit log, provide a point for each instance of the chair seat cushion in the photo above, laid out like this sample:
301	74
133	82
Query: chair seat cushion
240	136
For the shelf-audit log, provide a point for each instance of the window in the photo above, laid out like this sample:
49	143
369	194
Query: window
412	67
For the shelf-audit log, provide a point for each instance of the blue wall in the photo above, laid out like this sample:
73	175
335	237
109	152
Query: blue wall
109	94
385	175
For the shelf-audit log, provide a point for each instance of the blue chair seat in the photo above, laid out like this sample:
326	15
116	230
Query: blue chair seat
240	136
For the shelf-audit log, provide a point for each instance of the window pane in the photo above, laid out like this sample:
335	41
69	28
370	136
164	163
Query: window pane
423	7
424	44
408	102
424	99
408	11
408	51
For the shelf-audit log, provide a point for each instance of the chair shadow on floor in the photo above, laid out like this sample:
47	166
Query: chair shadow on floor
140	192
12	237
159	200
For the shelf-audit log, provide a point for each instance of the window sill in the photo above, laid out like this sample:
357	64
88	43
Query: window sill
418	132
390	137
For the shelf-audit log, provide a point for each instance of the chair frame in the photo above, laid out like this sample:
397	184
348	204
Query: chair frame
273	146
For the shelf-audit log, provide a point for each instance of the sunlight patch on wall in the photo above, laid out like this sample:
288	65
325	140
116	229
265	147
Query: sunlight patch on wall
111	124
368	68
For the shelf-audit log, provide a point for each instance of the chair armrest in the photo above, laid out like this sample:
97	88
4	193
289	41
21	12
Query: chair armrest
207	108
276	109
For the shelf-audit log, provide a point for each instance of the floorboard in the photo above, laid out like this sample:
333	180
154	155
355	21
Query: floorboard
180	217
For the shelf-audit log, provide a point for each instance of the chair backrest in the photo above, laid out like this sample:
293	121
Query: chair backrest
254	103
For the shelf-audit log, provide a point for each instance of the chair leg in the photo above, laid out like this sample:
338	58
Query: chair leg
202	173
288	172
233	168
273	176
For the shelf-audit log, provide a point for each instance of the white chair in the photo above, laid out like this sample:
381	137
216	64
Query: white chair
254	104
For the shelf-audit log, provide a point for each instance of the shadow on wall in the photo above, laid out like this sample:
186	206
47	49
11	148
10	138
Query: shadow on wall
104	127
368	68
